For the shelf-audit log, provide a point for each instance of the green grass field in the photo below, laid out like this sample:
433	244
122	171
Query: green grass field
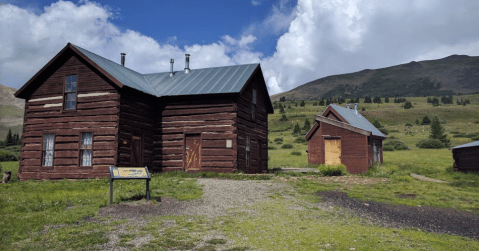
54	215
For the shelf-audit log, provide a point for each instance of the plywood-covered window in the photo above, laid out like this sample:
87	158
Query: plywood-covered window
47	152
70	92
248	152
85	148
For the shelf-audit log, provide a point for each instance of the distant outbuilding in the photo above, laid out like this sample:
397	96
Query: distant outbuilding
341	135
466	157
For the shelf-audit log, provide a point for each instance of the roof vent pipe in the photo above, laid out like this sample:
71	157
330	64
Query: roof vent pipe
171	67
187	63
347	105
356	108
123	59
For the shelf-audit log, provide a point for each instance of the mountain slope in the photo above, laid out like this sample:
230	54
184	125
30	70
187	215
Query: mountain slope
455	74
11	111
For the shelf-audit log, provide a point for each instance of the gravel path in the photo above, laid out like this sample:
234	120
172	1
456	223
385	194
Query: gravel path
431	219
218	196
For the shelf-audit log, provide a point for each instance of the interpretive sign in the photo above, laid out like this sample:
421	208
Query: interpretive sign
127	173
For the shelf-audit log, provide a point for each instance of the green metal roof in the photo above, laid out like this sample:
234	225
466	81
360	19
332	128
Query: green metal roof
226	79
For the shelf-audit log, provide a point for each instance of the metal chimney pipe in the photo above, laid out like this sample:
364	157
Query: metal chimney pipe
356	108
123	59
187	63
347	105
171	67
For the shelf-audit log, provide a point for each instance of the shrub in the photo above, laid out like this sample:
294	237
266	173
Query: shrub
7	156
287	146
331	170
408	105
296	153
388	148
300	139
363	109
278	140
408	124
394	130
396	144
384	131
430	143
425	120
283	118
271	148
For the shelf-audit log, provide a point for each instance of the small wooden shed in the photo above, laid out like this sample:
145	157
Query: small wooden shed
341	135
466	157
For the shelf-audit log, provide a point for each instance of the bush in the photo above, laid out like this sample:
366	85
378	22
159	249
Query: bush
430	144
388	148
278	140
331	170
408	124
296	153
271	148
396	144
384	131
300	139
7	156
287	146
283	118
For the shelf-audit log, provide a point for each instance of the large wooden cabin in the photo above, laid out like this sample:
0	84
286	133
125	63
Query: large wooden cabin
84	113
466	157
343	136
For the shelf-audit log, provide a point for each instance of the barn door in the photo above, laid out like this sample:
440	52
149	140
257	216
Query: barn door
192	159
136	151
332	151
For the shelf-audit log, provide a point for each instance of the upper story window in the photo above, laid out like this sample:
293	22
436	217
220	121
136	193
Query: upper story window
253	106
254	96
70	92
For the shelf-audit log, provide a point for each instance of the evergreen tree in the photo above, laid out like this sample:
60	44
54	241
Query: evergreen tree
377	124
289	106
281	109
377	100
425	120
302	103
283	118
9	140
367	99
408	105
282	99
321	102
386	100
315	104
296	129
437	132
307	124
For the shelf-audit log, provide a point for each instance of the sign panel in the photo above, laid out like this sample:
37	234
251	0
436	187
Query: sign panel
129	173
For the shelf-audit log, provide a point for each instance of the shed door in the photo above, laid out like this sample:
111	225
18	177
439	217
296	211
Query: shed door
136	151
332	151
192	160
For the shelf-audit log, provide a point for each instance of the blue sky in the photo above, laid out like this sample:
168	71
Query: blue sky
296	41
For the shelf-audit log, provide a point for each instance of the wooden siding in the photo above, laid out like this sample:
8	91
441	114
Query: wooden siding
466	159
256	129
354	147
137	118
213	118
97	109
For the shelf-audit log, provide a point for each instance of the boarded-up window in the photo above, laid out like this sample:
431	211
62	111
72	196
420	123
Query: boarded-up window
254	96
70	92
248	154
85	148
48	141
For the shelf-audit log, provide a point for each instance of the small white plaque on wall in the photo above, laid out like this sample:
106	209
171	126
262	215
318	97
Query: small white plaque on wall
229	143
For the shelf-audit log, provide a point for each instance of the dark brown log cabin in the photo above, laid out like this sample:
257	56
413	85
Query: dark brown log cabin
343	136
84	113
466	157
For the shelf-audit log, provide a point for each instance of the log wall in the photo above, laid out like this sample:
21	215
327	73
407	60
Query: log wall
212	118
97	112
256	129
466	159
137	117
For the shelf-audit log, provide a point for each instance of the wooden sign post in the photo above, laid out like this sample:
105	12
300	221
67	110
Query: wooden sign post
129	173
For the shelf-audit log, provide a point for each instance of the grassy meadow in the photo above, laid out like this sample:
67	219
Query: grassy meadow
60	215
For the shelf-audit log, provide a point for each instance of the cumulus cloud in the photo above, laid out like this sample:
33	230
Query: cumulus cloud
317	38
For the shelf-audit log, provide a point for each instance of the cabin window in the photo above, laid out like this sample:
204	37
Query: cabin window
248	154
254	96
47	154
70	92
377	151
85	148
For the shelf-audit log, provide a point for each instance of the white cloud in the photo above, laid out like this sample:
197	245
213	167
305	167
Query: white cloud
255	2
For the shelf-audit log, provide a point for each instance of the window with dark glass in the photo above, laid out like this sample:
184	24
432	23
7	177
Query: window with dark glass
70	92
48	141
85	148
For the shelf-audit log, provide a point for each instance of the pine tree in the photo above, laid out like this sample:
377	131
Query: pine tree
283	118
437	132
302	103
296	129
307	124
408	105
425	120
281	109
9	140
386	100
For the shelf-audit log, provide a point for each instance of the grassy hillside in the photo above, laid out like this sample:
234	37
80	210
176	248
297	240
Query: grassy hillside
455	118
457	74
11	111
